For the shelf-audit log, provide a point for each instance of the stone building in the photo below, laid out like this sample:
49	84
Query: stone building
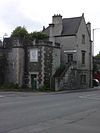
74	36
2	61
64	61
31	63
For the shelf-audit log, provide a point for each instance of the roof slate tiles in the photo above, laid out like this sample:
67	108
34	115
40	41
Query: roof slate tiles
71	25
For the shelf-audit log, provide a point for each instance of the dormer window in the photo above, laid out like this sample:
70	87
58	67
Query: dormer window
83	39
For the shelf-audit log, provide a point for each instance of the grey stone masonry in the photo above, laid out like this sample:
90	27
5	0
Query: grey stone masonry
74	36
38	59
46	64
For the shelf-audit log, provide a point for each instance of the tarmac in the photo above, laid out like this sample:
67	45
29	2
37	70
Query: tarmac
12	93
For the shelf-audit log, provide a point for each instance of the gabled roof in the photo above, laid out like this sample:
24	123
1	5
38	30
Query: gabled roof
71	25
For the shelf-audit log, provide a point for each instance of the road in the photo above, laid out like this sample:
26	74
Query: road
77	112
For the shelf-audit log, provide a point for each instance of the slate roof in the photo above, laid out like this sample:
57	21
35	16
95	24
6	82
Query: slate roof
70	25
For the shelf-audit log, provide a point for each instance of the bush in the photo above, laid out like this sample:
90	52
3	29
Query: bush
45	89
9	87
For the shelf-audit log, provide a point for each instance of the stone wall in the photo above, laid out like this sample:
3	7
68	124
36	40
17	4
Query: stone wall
45	64
15	68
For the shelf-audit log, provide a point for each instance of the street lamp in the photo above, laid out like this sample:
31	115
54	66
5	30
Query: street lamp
93	38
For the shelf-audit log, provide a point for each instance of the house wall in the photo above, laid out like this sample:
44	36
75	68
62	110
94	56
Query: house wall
48	62
15	59
3	65
83	47
19	65
11	69
75	43
67	43
84	69
56	60
48	58
36	67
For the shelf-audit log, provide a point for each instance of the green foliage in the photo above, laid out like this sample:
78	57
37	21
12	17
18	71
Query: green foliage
10	87
95	68
44	88
37	35
98	55
14	87
96	63
20	32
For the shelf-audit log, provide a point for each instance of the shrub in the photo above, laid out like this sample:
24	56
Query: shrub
10	87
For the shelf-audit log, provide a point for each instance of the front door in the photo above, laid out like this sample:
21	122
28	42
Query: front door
33	81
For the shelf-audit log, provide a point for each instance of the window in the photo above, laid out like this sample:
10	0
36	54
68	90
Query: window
83	39
83	79
83	57
70	57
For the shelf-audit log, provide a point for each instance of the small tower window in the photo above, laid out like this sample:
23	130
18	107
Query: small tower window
83	39
83	57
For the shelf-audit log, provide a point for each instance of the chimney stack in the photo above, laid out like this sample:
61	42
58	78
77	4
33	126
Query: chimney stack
57	19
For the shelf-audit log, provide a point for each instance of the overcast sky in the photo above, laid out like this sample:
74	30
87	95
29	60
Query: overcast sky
34	14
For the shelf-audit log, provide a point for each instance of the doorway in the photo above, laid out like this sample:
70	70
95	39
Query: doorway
34	81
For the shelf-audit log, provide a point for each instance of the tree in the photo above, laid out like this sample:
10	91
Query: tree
98	55
19	32
96	64
37	35
95	68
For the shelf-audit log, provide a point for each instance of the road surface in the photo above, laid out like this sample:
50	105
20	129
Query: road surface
77	112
